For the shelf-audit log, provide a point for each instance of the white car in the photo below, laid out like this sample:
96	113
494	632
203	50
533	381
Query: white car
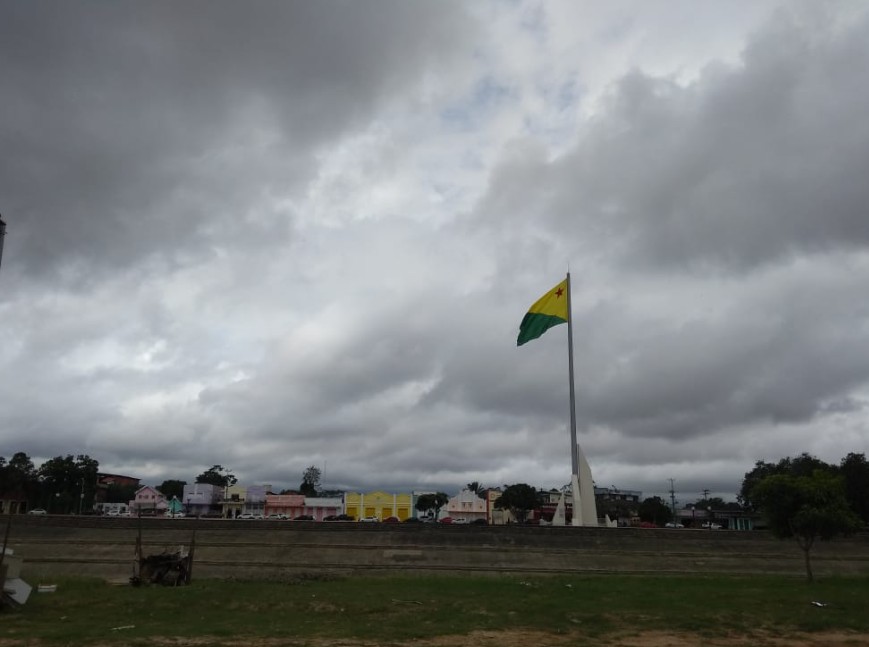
37	511
715	526
369	520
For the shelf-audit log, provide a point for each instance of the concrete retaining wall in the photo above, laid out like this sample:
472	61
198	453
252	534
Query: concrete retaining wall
104	547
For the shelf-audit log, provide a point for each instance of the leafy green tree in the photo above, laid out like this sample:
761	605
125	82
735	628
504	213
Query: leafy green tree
218	476
475	487
310	481
616	508
429	502
117	493
18	477
855	471
655	510
802	465
69	483
519	499
806	508
172	487
760	471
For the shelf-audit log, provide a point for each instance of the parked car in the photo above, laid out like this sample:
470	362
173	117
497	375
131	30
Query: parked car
715	526
37	511
245	517
369	520
479	522
445	520
673	525
113	513
413	520
303	517
461	521
392	520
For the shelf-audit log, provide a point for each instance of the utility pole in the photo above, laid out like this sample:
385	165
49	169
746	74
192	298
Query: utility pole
2	236
708	508
673	500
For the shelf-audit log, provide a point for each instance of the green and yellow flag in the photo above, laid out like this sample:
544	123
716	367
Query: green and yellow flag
549	310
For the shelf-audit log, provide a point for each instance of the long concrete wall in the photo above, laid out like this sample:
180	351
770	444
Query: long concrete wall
104	547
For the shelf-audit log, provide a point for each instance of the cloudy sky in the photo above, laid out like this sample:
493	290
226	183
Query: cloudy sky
276	234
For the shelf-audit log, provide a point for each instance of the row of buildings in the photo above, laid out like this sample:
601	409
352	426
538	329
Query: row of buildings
258	501
237	501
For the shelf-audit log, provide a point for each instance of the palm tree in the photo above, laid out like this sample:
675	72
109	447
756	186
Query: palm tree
475	487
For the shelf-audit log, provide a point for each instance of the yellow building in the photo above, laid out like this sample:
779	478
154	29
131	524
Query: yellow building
378	504
232	503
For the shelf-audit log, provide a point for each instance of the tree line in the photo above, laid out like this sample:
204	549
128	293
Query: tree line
68	484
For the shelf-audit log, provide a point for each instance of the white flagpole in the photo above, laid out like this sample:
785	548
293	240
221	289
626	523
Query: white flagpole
573	457
577	519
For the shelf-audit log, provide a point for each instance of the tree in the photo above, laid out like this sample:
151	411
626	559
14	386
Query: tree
802	465
855	471
475	487
655	510
310	481
760	471
117	493
806	508
218	476
68	484
172	487
435	501
519	499
19	477
616	508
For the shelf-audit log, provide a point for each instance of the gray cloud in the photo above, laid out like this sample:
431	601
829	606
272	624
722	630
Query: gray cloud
287	235
133	130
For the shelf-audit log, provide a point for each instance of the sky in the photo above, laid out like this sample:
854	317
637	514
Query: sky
269	235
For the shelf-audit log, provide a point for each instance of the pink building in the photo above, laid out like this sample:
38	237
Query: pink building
322	507
290	505
296	505
149	501
466	505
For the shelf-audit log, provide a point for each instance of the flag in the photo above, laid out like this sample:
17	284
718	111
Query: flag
549	310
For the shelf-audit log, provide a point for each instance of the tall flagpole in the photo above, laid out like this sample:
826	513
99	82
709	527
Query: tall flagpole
573	454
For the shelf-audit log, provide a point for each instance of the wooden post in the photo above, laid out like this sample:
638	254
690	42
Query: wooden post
190	558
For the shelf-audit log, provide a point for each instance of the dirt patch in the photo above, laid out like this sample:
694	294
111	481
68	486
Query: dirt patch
521	639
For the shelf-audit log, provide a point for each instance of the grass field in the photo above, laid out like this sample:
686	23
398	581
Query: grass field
442	611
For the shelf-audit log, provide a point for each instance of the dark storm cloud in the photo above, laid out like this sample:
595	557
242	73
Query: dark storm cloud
249	234
122	122
747	185
740	168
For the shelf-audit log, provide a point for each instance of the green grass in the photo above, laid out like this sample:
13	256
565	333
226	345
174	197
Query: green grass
399	609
